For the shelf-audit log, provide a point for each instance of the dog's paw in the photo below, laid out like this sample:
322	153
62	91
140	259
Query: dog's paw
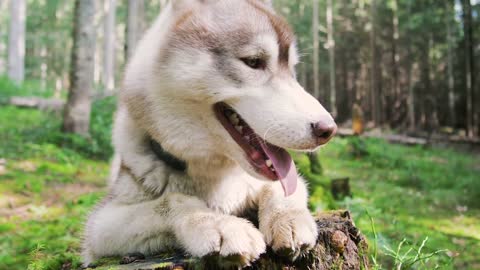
235	239
290	231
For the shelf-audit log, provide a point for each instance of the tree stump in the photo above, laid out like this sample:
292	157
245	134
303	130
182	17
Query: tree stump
340	245
340	188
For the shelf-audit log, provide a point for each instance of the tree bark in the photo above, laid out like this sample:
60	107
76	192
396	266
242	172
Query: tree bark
374	93
110	8
429	108
304	66
315	164
77	111
304	75
316	81
451	79
331	57
44	66
469	69
395	94
100	32
163	4
135	25
3	46
16	47
340	245
411	93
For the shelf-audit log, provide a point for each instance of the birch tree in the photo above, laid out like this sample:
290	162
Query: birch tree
16	44
77	110
110	8
316	81
331	57
3	34
135	25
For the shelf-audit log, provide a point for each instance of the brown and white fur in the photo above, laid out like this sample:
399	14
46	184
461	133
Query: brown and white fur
187	62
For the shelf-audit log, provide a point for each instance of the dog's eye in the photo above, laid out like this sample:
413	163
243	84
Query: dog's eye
254	62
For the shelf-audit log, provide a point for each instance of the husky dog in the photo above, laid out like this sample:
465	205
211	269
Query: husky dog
209	104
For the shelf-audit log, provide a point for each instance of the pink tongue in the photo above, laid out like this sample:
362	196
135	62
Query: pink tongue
284	166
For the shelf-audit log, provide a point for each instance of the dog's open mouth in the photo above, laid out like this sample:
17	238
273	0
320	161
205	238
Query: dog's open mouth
271	161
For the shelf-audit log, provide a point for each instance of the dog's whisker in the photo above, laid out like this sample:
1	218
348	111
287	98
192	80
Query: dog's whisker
266	132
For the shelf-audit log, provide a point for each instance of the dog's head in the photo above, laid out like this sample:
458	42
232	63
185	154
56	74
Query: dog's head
230	64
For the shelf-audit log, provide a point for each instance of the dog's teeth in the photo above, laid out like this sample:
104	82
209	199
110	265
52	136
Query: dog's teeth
269	163
229	113
239	128
234	119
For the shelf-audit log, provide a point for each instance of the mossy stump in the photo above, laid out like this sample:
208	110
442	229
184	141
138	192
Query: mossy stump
340	245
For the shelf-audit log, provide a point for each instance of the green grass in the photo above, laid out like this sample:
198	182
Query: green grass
423	203
49	183
411	194
28	88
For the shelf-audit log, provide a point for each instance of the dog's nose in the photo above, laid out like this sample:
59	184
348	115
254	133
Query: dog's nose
324	131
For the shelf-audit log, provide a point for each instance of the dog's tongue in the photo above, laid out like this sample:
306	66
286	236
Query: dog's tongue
284	166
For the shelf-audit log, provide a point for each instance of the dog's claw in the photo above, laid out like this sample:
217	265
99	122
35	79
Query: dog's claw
290	233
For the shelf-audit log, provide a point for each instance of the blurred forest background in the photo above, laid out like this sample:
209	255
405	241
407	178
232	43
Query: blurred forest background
401	78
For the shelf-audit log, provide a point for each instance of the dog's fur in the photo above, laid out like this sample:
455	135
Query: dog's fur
187	62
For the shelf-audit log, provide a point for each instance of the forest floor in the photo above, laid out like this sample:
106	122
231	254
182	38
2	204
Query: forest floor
402	195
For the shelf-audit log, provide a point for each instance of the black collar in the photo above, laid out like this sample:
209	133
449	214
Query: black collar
169	159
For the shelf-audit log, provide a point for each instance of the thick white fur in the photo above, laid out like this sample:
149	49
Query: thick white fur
152	207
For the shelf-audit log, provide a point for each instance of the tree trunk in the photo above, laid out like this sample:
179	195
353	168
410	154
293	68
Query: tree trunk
135	25
428	110
44	67
99	22
163	4
316	81
394	98
3	33
16	47
304	66
339	246
77	111
315	164
411	94
331	57
451	78
109	45
374	93
304	75
469	68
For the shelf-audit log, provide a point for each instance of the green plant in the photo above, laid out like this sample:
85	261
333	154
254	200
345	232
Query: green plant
409	256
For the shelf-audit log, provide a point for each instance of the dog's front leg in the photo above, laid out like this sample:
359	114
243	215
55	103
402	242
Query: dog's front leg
286	222
147	227
201	231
